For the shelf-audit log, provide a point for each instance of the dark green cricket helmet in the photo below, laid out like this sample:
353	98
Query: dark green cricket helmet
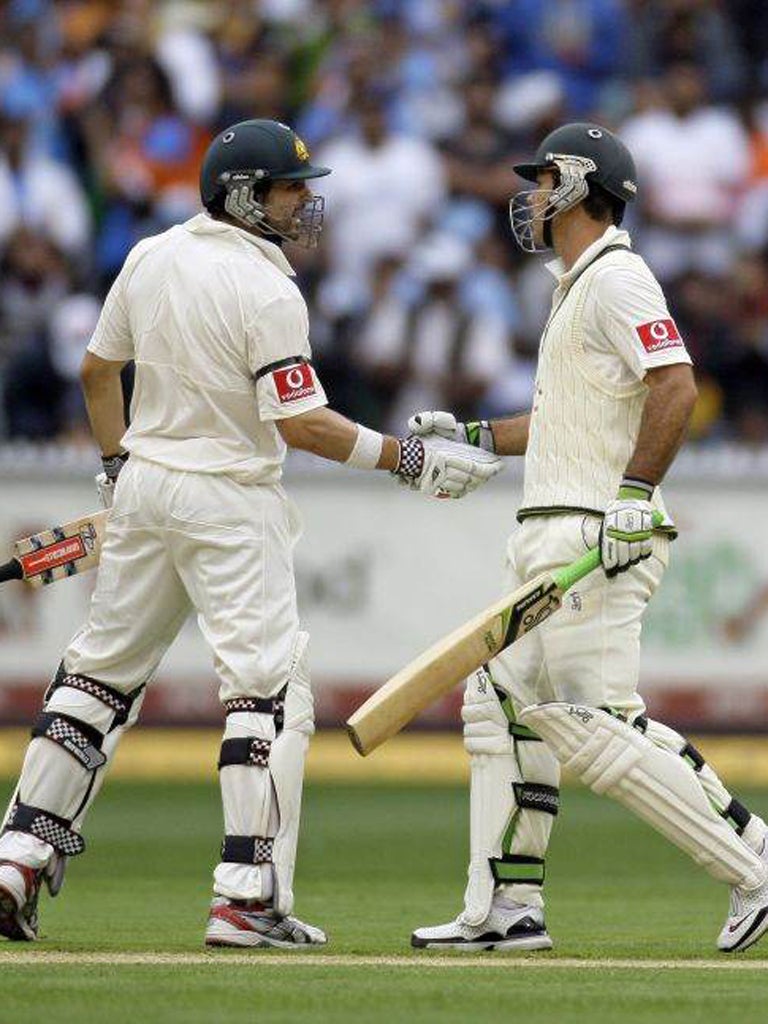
614	166
268	150
580	154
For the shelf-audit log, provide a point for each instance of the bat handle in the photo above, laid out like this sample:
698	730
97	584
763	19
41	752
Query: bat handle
570	574
11	571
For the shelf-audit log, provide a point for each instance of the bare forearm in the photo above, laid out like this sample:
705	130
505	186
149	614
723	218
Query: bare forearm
331	436
666	414
510	436
104	401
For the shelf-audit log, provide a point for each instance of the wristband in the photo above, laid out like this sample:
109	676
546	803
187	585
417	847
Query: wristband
633	487
367	450
410	465
112	464
479	434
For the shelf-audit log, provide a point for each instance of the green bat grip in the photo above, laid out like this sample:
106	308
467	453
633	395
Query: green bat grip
570	574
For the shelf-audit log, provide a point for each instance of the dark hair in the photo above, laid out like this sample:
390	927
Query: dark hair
600	205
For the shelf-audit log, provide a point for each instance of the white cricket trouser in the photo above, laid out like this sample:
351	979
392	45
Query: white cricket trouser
178	542
589	651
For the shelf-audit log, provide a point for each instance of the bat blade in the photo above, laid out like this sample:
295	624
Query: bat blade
58	552
449	661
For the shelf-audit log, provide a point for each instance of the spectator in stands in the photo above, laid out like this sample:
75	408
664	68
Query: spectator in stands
69	330
478	158
421	108
251	59
436	352
700	32
34	279
383	189
751	225
744	372
693	161
36	191
584	41
33	282
147	157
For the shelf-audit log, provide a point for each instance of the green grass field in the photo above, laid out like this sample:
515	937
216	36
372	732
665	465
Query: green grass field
376	861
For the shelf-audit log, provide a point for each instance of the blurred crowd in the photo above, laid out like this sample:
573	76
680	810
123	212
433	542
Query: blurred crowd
418	296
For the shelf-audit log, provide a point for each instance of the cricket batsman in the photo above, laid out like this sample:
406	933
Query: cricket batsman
200	522
613	396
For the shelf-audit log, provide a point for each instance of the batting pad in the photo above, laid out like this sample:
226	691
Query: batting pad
612	758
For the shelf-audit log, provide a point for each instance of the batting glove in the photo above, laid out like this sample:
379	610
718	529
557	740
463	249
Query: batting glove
106	480
442	468
626	536
476	433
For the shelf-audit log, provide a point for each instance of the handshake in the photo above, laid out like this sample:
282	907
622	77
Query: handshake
446	459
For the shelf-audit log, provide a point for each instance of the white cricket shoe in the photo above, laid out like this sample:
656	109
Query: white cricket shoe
511	926
19	890
747	919
250	923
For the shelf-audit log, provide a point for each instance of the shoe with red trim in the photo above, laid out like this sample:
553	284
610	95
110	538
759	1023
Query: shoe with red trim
19	890
250	923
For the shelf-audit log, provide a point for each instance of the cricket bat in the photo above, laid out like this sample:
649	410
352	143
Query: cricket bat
58	552
449	661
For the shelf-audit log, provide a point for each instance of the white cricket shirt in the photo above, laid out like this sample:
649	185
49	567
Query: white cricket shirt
609	325
220	335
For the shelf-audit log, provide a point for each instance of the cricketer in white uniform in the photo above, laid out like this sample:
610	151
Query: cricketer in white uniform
613	394
224	381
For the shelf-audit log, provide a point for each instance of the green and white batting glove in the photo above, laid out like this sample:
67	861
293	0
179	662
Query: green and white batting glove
476	433
626	536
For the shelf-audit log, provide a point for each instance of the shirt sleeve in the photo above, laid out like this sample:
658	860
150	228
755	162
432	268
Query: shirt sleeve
112	338
632	313
279	358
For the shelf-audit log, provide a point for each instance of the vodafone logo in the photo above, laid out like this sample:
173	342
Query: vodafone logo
658	335
294	383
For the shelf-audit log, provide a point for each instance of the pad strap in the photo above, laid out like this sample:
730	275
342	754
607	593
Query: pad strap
737	815
274	706
247	750
78	738
690	754
513	868
535	796
247	850
516	729
46	826
120	703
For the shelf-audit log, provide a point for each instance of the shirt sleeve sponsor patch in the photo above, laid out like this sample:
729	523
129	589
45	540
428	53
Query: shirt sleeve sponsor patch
294	383
659	335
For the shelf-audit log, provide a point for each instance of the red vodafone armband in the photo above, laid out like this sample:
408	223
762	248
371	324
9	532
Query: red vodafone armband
659	335
287	388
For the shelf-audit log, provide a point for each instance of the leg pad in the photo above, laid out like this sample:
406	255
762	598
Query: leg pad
662	788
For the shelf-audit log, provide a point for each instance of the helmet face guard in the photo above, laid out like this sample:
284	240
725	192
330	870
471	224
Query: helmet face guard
537	206
243	205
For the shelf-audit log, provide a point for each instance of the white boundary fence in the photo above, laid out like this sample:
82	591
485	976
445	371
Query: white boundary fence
382	572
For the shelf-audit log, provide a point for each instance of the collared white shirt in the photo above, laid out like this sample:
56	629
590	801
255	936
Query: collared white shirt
628	327
220	335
